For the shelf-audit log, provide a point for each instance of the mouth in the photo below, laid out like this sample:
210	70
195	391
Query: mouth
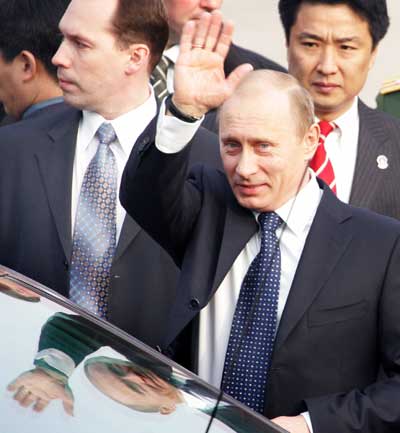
325	88
63	83
249	189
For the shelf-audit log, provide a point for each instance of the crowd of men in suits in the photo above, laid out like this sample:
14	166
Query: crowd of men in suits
276	242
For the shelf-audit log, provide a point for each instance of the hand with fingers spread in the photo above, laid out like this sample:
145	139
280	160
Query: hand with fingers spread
199	79
38	387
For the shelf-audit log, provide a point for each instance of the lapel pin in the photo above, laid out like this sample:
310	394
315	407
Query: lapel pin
383	162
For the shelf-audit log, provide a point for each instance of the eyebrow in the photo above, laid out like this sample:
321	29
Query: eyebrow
307	35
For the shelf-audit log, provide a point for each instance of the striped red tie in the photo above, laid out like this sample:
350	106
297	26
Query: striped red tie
320	162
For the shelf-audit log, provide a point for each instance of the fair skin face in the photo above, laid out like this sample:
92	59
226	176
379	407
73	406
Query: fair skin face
181	11
154	394
95	71
330	52
264	156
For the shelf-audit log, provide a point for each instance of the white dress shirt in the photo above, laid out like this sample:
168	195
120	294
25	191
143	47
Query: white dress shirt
341	146
128	128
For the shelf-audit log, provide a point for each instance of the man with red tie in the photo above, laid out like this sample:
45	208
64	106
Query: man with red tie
331	47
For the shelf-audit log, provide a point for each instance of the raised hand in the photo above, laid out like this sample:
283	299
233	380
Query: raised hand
38	388
199	79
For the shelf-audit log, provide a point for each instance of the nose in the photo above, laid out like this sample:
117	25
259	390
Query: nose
60	58
210	5
327	62
247	164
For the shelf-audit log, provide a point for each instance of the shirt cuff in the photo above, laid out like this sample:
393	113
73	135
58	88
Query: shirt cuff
174	134
58	360
306	416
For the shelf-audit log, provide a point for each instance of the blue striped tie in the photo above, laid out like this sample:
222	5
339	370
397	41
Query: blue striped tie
94	238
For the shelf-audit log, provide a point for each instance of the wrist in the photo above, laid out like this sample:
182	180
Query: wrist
184	112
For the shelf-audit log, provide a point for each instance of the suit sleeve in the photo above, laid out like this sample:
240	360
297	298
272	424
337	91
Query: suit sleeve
157	193
375	408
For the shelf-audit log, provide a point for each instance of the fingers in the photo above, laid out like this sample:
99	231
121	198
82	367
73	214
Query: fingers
202	31
187	35
69	407
40	405
236	76
225	39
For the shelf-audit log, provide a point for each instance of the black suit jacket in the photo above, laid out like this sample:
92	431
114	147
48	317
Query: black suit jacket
36	164
236	57
373	187
341	320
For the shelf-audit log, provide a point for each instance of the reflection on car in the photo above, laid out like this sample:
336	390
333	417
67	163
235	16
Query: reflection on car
65	370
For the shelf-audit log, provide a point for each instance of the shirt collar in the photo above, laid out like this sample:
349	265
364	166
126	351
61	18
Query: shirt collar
172	53
347	120
127	127
43	104
298	213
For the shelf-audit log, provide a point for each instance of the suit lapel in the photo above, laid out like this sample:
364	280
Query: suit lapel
55	161
129	231
371	144
327	241
240	226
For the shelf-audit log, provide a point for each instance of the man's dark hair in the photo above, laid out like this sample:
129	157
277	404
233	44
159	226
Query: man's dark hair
373	11
142	21
31	25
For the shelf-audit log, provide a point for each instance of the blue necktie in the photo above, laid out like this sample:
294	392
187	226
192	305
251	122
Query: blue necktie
94	238
251	341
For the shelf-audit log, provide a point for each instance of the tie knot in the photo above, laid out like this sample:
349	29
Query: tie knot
269	221
106	133
326	128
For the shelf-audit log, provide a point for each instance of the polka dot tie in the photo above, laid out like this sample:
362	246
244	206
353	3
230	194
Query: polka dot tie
94	238
253	327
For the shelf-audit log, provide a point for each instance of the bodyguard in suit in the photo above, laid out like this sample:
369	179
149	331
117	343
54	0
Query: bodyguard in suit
29	38
179	12
331	47
293	295
60	221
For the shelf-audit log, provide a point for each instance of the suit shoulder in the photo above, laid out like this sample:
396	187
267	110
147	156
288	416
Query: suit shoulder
367	219
378	117
238	55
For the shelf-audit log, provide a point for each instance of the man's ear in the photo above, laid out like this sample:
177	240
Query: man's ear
310	141
28	66
139	57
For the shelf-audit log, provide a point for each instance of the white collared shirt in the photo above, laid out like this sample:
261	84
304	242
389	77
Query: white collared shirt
341	146
128	128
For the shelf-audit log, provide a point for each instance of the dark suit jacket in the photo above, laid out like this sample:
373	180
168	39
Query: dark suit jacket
36	162
236	57
375	188
341	320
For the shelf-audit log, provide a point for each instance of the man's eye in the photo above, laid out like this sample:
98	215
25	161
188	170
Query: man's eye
347	47
309	44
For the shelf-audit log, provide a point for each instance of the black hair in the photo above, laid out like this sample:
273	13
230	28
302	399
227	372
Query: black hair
373	11
31	25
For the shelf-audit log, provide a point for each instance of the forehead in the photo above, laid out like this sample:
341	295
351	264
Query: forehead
336	19
88	16
258	116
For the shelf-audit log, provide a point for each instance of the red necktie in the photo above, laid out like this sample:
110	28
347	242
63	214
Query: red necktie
320	162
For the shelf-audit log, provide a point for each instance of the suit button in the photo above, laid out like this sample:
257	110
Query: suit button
66	266
116	276
194	304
